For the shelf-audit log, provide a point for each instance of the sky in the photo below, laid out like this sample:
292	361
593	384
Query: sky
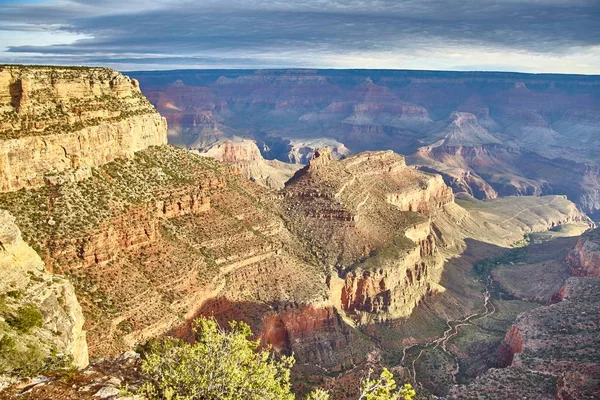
561	36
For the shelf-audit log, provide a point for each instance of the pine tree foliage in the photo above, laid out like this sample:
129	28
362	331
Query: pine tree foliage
384	388
223	364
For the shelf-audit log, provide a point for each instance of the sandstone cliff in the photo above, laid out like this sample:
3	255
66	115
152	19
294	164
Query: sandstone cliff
152	241
56	119
367	217
25	290
245	155
584	259
489	134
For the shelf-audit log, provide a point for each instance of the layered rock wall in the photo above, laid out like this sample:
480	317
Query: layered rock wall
125	232
245	155
426	198
397	284
316	335
65	119
512	344
374	216
584	259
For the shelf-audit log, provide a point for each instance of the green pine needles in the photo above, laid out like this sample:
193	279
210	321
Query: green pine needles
224	364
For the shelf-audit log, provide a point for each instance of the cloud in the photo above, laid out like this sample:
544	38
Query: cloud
316	33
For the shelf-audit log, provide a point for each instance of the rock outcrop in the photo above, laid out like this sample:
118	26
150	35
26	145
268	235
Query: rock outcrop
245	155
55	119
488	134
30	346
368	217
584	259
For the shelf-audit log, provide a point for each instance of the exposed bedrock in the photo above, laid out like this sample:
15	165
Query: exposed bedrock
66	119
24	282
584	259
550	352
491	170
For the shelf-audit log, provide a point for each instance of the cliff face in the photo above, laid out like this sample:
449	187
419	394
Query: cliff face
25	283
489	134
368	217
512	344
67	119
152	241
319	335
584	259
247	158
490	170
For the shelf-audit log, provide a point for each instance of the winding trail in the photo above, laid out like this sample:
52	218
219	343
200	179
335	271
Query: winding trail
453	330
528	209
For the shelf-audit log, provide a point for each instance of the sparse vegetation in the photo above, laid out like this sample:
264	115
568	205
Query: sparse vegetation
222	364
515	255
225	364
26	318
385	388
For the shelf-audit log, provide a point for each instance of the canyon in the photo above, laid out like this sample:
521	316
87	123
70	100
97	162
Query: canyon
347	261
488	134
551	351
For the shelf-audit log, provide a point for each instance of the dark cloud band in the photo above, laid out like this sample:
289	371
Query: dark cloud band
226	30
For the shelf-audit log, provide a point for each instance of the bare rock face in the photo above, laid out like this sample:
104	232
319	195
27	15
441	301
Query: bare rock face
25	283
302	151
512	344
463	129
245	155
496	134
584	259
69	119
368	216
317	334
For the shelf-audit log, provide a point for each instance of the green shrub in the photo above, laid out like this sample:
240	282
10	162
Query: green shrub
225	364
384	388
125	326
7	345
222	364
318	394
27	318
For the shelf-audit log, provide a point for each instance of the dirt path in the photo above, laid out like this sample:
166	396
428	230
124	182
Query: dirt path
527	209
453	330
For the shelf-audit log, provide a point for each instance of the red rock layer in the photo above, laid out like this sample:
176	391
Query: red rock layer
584	259
127	231
512	344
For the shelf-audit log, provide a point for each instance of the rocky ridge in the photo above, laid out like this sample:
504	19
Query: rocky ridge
54	120
584	259
488	134
246	156
367	218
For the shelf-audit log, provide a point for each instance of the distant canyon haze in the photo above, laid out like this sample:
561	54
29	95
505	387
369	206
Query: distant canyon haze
488	134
